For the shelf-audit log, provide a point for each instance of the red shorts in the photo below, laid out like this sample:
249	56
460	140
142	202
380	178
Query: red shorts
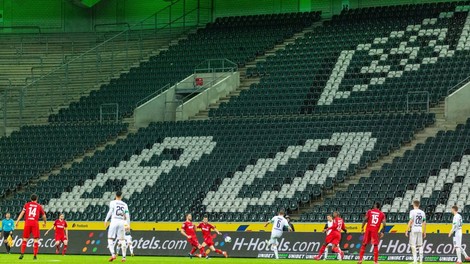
333	238
209	242
31	229
193	242
61	238
371	237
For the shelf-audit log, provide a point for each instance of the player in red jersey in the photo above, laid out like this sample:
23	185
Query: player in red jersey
374	219
61	234
189	231
334	237
31	212
206	229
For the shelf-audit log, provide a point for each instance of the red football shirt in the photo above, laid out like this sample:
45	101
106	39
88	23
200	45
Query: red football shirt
60	226
206	229
189	229
32	212
338	225
374	219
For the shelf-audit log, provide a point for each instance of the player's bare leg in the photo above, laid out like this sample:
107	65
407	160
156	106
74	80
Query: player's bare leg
111	249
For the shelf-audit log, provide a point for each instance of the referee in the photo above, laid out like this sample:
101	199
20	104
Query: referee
8	225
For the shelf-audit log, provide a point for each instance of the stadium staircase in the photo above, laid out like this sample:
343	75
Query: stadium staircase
84	76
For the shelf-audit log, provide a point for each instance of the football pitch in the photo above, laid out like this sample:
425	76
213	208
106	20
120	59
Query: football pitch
80	259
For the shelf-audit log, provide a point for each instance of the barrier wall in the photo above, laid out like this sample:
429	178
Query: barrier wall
293	245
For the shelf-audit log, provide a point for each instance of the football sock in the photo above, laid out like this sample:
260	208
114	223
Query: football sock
464	253
413	251
64	250
201	251
322	249
36	248
376	253
218	251
192	251
23	247
326	253
111	246
274	248
459	254
361	252
421	253
123	247
131	249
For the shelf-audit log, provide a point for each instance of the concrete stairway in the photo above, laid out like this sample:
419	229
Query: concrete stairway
419	138
245	83
79	78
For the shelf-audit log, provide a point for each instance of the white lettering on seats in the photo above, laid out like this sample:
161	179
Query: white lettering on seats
137	176
353	145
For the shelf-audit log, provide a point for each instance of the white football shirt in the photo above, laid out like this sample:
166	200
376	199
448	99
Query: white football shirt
279	222
418	217
457	224
118	210
330	224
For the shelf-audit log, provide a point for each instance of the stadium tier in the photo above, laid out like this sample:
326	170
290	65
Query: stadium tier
224	167
239	39
37	150
434	172
363	61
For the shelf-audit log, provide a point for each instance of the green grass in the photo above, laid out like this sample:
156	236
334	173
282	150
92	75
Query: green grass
77	259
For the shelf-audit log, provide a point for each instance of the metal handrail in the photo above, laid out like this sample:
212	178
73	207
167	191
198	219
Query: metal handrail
458	85
417	92
111	24
152	95
22	27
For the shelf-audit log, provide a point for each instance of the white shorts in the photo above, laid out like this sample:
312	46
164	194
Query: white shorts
274	236
128	239
116	229
416	239
457	239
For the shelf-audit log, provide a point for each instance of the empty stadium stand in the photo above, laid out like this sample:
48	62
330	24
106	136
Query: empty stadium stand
239	39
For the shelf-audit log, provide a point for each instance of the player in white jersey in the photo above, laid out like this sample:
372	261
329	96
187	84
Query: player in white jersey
456	233
279	222
128	240
417	231
329	223
119	215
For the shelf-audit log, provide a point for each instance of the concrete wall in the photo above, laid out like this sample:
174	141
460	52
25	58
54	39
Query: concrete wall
156	110
457	106
226	83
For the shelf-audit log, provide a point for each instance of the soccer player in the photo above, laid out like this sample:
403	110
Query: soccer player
119	215
188	229
417	231
279	222
8	225
456	233
206	229
328	224
334	237
31	212
61	234
128	237
374	219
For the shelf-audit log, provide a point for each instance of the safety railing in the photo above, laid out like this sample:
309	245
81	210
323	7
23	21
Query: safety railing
458	85
416	99
109	58
109	112
5	87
